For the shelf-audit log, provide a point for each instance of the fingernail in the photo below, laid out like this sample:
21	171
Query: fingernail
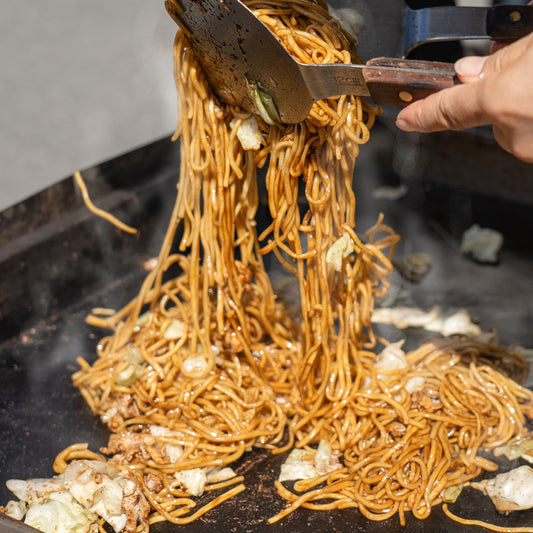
470	66
404	125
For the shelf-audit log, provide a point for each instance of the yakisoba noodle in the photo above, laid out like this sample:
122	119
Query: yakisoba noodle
211	356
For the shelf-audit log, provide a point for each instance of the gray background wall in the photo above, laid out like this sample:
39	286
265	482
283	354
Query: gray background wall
79	82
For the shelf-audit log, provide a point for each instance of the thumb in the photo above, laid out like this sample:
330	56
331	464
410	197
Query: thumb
462	106
474	68
470	68
454	108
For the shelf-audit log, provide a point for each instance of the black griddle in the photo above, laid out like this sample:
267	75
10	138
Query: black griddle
57	261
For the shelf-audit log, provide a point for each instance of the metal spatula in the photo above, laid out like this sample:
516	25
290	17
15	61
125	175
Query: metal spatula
247	66
392	29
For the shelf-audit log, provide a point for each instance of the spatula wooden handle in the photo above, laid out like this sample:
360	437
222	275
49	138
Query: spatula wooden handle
507	23
399	88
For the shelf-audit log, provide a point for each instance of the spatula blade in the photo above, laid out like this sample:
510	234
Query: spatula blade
240	56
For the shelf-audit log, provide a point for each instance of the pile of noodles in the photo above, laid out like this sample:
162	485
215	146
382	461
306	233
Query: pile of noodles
211	356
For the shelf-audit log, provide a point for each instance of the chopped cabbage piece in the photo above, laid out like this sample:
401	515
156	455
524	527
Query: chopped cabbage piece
15	509
450	494
144	318
264	103
134	370
458	323
248	133
192	481
511	491
72	502
302	464
175	330
402	317
516	447
60	514
392	357
174	452
98	487
163	431
405	317
339	251
195	364
482	243
34	490
297	467
218	474
107	503
414	384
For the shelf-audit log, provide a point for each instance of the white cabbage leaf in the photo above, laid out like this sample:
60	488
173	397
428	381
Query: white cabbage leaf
511	491
482	243
303	464
248	133
60	514
340	250
72	502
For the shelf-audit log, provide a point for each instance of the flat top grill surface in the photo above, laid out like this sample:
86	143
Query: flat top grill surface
57	261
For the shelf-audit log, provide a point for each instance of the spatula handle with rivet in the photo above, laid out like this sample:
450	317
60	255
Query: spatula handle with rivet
508	22
401	87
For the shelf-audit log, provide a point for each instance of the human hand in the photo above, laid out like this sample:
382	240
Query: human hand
496	90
